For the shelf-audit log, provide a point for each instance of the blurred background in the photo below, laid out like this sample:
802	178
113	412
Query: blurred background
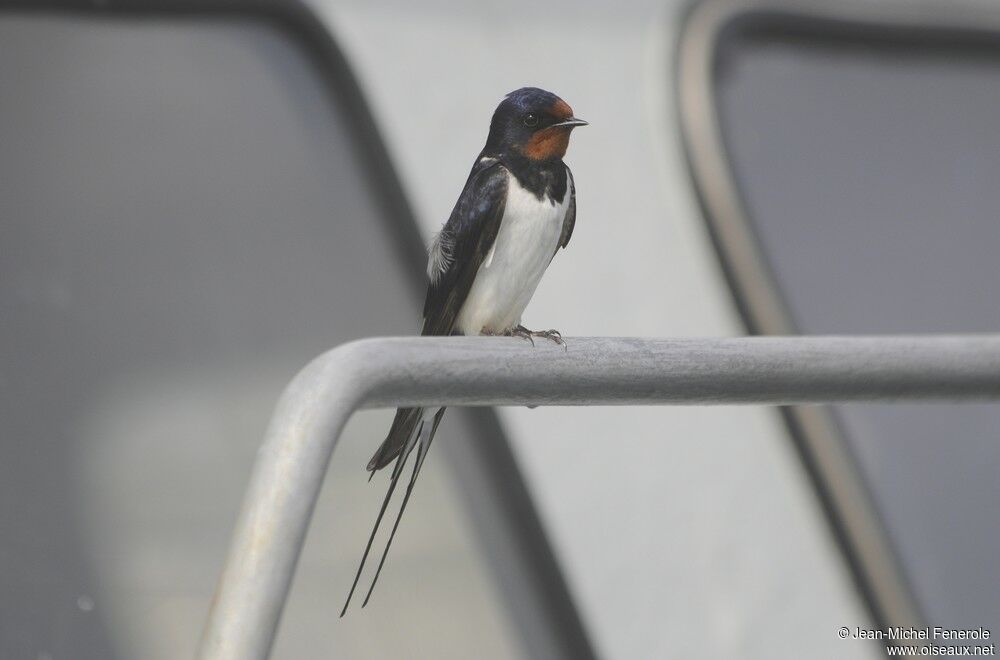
196	198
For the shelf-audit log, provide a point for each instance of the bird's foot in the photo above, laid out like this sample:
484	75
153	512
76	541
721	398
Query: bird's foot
522	332
552	335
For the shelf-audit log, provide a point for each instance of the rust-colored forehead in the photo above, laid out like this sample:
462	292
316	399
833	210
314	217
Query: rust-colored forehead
561	110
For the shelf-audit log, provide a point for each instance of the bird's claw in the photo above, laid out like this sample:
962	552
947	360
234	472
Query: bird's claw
552	335
522	332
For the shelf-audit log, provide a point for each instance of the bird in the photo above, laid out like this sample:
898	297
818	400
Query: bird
516	211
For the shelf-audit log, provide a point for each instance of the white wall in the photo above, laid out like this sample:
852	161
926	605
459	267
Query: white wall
685	531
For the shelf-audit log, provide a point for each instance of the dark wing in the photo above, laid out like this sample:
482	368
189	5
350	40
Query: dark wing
570	220
456	255
463	244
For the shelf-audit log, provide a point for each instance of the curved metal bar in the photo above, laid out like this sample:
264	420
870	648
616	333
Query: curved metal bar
481	371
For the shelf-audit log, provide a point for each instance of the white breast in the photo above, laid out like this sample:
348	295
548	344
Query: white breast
528	237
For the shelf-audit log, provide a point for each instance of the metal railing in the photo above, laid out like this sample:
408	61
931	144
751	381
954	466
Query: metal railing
485	371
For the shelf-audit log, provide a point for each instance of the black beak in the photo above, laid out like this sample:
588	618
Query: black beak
572	122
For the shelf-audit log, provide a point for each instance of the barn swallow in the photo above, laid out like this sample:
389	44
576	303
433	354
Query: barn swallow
517	209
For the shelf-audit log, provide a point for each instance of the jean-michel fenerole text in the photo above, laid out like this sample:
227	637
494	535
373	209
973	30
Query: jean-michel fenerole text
931	632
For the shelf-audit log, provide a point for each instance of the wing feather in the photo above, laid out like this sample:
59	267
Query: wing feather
470	232
467	238
569	222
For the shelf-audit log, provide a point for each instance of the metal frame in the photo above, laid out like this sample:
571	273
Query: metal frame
532	585
481	371
820	443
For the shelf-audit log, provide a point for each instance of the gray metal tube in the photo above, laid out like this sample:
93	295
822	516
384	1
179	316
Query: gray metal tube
479	371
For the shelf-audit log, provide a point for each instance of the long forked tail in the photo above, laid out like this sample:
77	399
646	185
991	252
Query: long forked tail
407	429
417	464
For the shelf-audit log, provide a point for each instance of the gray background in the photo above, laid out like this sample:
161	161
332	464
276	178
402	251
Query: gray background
870	174
690	531
687	532
184	224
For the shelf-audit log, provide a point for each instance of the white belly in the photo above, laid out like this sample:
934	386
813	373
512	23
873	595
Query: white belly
528	237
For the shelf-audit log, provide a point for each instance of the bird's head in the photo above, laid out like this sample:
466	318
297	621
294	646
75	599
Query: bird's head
533	123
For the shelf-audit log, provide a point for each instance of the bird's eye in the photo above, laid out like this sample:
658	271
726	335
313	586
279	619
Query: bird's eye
530	120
